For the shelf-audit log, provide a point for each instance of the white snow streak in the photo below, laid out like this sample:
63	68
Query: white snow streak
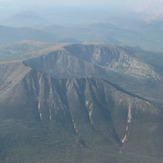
39	109
129	114
129	118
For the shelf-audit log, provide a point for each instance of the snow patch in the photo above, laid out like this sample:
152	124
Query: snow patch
124	139
129	114
50	114
41	116
91	113
75	127
39	109
87	103
129	118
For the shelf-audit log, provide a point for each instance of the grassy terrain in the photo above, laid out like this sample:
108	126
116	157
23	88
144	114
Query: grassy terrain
26	49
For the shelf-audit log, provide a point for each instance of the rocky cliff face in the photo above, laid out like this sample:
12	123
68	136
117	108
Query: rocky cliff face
80	57
113	58
116	64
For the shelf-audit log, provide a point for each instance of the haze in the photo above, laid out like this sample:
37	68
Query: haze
8	7
118	21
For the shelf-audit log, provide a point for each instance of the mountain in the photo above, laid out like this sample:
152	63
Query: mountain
28	48
120	31
133	69
76	114
117	64
26	19
63	106
11	34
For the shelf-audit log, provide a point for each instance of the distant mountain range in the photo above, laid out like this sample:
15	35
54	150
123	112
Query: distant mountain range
26	19
11	34
81	103
124	31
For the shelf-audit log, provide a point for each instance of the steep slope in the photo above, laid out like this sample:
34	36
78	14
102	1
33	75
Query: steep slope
22	50
62	64
121	65
43	117
111	58
114	58
11	73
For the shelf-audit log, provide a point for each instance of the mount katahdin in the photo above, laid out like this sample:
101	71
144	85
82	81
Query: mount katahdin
81	103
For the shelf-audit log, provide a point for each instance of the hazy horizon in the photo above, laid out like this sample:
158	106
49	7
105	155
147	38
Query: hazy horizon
148	7
118	21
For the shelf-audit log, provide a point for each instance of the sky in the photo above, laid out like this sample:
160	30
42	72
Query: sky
81	2
132	4
152	8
